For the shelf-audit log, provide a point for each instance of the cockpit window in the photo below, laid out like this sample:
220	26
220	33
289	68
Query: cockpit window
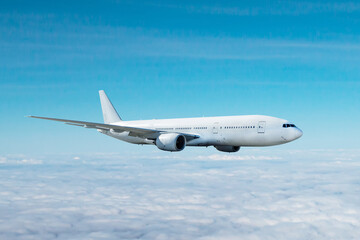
288	125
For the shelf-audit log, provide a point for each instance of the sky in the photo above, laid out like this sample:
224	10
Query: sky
168	59
296	60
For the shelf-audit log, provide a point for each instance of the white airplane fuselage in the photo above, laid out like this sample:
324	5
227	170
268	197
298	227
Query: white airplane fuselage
247	130
226	134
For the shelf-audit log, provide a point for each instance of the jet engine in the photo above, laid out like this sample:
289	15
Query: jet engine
172	142
227	148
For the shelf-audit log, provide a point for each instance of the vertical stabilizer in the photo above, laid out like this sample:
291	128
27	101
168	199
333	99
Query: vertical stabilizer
109	113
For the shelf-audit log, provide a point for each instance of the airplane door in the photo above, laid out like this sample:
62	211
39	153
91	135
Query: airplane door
215	129
261	127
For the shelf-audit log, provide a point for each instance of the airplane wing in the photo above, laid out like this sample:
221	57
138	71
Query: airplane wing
133	131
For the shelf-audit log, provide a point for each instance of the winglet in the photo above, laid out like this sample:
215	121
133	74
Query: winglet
109	113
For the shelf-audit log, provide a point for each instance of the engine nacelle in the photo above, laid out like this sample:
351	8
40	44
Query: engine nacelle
228	148
172	142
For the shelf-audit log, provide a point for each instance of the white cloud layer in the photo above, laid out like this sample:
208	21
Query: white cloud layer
248	196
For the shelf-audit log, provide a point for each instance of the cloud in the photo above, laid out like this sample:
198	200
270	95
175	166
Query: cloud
112	197
222	157
18	159
250	9
274	8
84	43
3	159
260	154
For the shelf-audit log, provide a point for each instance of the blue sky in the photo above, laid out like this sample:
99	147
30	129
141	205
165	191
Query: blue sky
166	59
163	59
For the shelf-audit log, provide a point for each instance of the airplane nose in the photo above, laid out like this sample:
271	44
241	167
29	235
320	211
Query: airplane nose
298	133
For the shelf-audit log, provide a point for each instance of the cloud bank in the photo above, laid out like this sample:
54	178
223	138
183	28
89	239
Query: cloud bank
111	197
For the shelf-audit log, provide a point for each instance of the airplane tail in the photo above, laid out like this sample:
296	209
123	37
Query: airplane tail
109	113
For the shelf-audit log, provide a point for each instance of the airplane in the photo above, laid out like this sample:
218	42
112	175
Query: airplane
226	134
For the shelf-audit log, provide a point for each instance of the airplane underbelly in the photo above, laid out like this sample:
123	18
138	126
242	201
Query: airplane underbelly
252	140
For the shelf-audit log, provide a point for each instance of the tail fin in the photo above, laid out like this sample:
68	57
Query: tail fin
109	113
